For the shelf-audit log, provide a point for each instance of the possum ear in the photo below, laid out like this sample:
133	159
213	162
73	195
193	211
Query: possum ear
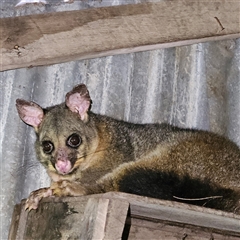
30	113
79	101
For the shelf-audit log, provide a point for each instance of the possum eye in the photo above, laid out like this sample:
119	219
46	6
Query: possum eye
47	147
74	140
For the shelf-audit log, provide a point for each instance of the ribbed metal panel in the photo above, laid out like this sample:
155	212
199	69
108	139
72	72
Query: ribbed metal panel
195	86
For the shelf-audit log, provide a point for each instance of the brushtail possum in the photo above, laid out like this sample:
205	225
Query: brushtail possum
87	153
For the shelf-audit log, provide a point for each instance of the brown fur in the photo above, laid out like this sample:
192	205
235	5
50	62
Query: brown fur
119	156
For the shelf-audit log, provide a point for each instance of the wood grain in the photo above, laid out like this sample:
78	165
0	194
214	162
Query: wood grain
103	216
45	39
104	219
163	230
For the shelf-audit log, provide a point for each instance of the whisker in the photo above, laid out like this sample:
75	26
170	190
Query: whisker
197	199
91	153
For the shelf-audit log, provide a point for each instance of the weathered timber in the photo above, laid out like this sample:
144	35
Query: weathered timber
121	216
44	39
104	219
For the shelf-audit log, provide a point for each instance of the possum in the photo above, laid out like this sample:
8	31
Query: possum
87	153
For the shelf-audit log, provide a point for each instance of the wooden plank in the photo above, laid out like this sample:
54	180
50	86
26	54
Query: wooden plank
116	219
65	36
136	199
103	216
104	219
15	221
47	222
22	222
142	229
54	219
217	224
179	213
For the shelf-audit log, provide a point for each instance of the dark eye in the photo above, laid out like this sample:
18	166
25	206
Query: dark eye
74	140
47	147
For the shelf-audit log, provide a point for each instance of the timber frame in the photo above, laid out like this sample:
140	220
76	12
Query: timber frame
117	215
44	39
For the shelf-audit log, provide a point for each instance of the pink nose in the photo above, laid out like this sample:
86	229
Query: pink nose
63	167
63	164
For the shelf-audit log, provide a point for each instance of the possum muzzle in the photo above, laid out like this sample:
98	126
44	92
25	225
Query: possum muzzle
63	162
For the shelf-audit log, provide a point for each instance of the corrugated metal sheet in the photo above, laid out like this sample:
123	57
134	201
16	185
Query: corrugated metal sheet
194	86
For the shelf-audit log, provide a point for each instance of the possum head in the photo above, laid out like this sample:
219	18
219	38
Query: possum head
65	135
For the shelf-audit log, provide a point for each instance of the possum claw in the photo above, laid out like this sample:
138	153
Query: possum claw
35	197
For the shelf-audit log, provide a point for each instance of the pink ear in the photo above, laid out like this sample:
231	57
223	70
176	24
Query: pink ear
79	101
31	113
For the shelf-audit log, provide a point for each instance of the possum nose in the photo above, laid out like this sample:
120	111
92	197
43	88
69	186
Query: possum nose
61	154
63	167
63	164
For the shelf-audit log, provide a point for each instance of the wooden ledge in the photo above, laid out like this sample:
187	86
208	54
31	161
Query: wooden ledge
45	39
121	216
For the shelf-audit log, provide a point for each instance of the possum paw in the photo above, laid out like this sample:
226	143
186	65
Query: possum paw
67	188
35	197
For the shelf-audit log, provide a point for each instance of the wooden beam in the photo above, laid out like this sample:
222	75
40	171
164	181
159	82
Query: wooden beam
103	216
19	224
104	219
179	213
15	221
45	39
187	217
